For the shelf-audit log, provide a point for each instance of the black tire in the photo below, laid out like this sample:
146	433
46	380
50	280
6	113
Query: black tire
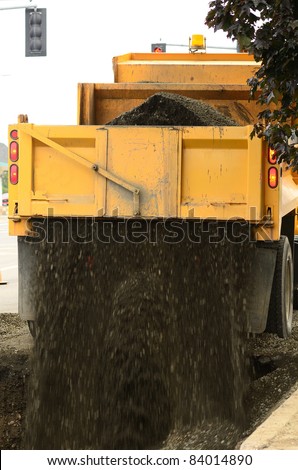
280	313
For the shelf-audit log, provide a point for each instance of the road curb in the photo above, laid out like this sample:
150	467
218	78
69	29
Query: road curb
279	431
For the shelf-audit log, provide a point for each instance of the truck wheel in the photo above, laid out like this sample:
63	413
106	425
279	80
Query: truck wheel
280	313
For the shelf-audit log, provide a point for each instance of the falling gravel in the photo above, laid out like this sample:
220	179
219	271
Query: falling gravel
136	341
112	369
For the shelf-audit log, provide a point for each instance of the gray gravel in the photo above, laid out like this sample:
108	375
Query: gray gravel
274	369
168	109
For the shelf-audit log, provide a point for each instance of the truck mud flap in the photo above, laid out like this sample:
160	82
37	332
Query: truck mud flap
259	278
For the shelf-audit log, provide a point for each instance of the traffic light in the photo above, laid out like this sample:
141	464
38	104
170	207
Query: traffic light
36	32
158	47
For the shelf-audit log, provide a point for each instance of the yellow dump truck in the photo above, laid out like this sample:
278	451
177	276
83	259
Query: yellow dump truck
196	223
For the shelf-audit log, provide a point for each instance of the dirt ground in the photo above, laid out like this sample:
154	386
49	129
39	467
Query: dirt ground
15	349
274	362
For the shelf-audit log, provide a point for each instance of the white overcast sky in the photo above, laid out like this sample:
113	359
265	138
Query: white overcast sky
82	38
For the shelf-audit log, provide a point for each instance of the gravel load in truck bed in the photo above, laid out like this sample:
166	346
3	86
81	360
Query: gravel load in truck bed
171	109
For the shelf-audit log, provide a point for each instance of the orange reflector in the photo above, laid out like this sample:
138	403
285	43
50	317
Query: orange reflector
272	177
272	156
157	50
14	134
14	174
14	151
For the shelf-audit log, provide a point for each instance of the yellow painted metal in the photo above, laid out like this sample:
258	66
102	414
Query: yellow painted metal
221	170
218	79
149	158
112	99
86	104
19	226
197	40
221	69
270	228
295	177
120	171
48	177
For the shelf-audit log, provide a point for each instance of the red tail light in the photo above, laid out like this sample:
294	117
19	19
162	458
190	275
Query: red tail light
14	134
272	177
14	151
272	158
14	174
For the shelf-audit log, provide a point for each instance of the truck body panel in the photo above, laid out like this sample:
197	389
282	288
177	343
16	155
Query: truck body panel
163	172
100	103
218	79
180	68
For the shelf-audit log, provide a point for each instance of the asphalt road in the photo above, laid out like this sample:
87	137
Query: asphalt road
8	269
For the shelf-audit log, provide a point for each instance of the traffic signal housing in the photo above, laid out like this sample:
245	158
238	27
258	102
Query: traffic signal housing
158	47
36	32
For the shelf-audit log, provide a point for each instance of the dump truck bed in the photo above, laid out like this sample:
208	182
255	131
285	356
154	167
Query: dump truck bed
99	103
222	69
97	170
218	79
128	171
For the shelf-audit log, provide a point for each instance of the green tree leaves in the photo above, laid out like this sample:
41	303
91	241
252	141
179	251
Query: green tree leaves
269	31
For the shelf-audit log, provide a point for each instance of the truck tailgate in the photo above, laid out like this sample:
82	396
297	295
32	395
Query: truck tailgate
128	171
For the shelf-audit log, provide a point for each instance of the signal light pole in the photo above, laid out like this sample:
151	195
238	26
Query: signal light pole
35	29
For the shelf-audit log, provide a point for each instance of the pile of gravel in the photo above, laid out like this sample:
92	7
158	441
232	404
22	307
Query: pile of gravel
170	109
